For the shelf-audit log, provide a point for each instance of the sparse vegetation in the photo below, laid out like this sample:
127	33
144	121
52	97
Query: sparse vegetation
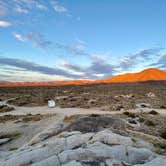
11	135
153	112
106	97
129	114
163	134
24	118
5	108
163	107
114	96
71	118
149	123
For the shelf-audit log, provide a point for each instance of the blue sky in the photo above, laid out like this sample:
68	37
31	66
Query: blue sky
47	40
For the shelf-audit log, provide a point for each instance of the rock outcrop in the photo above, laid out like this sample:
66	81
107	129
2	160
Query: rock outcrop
60	145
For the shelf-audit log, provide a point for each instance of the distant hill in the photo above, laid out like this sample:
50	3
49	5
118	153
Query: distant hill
151	74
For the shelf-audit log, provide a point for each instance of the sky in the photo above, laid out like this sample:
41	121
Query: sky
54	40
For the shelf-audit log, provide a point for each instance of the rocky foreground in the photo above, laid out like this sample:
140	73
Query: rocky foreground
94	140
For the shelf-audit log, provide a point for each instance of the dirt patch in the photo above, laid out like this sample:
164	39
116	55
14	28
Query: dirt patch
24	118
12	135
71	118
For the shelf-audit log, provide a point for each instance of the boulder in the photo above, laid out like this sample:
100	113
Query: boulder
151	95
108	137
77	140
98	150
51	103
52	131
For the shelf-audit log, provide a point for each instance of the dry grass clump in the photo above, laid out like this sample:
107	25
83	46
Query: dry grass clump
163	107
37	117
71	118
24	118
153	112
163	134
6	118
11	135
149	123
129	114
5	108
24	164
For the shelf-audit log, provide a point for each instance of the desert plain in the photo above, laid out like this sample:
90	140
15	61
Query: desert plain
100	124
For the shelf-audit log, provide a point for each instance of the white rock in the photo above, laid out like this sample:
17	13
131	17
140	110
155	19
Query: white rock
155	162
113	162
46	134
108	137
98	150
57	145
51	103
67	134
77	140
33	156
51	161
72	163
143	144
151	95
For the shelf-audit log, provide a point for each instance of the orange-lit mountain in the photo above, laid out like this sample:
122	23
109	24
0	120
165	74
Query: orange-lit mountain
151	74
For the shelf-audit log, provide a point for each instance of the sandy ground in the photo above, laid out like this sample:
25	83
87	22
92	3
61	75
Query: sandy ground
30	129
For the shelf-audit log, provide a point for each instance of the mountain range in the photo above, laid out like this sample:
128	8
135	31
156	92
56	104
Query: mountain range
150	74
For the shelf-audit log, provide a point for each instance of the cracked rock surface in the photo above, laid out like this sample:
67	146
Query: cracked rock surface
75	144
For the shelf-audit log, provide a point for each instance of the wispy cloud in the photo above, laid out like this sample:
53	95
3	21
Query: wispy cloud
98	69
161	63
20	6
3	10
19	37
148	53
5	23
20	9
73	67
33	67
30	4
35	37
59	8
39	40
131	61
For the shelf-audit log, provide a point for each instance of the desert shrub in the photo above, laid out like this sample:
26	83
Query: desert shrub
129	114
12	149
5	108
163	107
94	115
149	123
153	112
141	119
163	134
71	118
31	118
